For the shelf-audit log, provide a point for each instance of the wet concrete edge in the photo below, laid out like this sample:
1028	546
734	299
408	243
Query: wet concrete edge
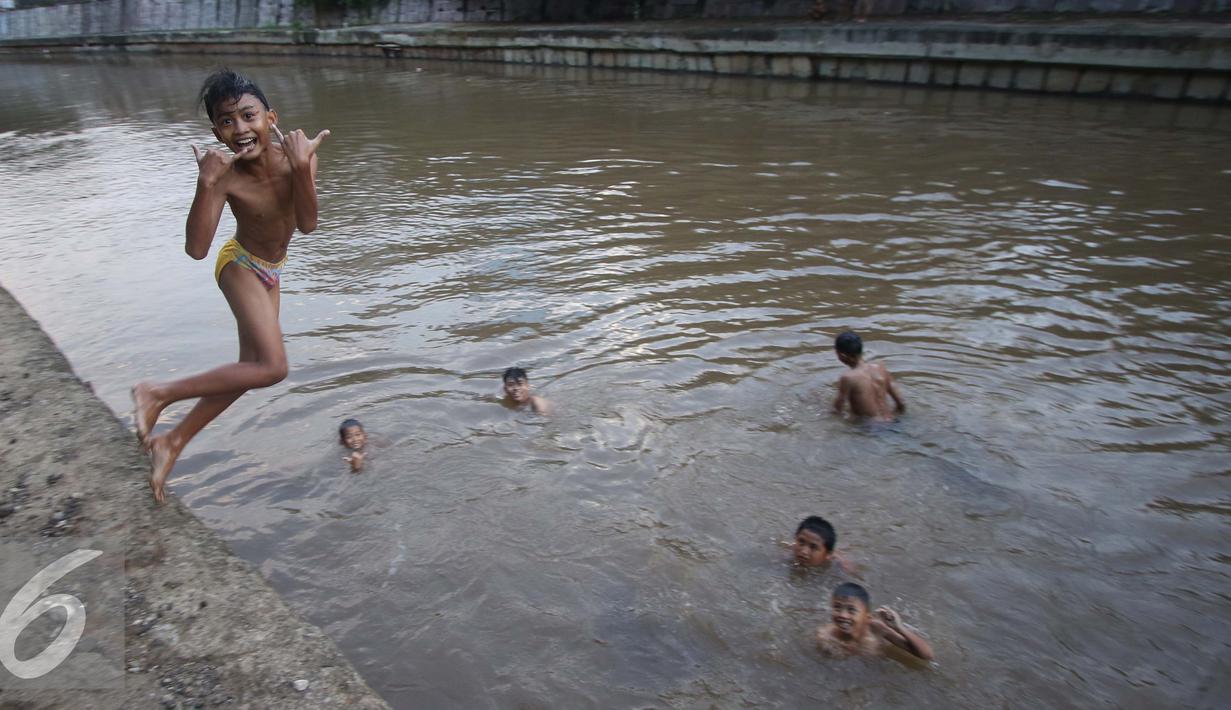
202	628
1185	61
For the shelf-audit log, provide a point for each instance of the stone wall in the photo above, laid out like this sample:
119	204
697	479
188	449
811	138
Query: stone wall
47	18
124	16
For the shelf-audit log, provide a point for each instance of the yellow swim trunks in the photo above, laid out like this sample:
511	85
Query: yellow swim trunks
268	272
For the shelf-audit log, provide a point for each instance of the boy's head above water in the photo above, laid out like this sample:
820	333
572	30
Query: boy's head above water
814	541
516	384
239	112
352	434
226	85
849	347
849	610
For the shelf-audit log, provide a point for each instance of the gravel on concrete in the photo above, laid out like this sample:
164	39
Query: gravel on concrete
201	627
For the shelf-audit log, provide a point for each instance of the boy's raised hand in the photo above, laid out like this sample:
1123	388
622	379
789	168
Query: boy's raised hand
889	618
213	164
298	147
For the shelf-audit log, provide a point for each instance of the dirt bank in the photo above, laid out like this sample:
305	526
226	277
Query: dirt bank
201	628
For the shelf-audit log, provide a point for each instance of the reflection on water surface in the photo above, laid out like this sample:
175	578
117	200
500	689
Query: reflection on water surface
671	256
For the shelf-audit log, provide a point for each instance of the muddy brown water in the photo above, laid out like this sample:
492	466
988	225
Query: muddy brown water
670	257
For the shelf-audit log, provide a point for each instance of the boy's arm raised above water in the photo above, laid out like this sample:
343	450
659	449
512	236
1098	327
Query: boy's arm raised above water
301	154
207	203
889	626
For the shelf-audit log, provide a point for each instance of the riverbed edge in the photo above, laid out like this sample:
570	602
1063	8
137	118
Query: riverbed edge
1120	57
200	624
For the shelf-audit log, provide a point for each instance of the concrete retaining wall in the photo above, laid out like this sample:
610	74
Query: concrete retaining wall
1110	57
119	16
198	626
27	18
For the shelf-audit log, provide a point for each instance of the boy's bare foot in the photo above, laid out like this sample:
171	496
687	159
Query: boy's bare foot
145	410
162	458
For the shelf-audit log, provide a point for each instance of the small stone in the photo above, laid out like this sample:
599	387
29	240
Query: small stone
166	634
53	479
300	685
134	669
6	510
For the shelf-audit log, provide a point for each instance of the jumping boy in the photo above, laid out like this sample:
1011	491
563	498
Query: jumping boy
866	385
353	437
815	539
271	188
854	631
517	392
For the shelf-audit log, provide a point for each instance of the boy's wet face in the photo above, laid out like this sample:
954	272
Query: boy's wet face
809	549
244	125
849	616
353	437
517	389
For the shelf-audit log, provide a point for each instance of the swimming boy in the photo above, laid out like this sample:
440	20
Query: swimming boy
271	188
853	631
517	392
866	385
814	542
353	437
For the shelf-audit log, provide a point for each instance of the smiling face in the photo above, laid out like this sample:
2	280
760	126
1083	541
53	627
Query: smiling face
244	125
517	389
850	617
809	549
353	438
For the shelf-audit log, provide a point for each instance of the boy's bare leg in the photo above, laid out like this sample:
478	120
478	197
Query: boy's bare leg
165	448
262	362
145	409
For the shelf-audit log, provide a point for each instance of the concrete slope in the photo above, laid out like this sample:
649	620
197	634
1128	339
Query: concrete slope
201	628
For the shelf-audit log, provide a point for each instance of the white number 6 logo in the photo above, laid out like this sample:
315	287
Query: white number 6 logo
25	607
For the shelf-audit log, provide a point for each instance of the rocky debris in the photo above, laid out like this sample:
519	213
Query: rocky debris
15	496
62	519
193	685
301	685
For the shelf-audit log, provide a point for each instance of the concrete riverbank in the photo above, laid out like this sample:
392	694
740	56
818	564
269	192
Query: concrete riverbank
201	628
1174	60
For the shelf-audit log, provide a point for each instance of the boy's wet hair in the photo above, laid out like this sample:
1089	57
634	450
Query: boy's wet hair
849	343
226	85
514	373
348	424
822	528
850	590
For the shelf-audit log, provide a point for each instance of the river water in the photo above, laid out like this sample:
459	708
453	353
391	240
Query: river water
670	256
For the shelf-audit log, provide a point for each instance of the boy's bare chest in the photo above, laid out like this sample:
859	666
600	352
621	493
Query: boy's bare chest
262	200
